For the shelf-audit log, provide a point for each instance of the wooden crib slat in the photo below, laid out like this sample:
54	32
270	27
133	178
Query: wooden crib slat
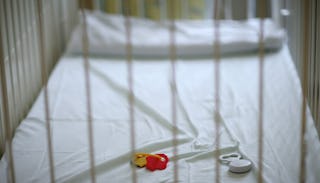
262	14
25	75
317	58
216	60
305	58
85	50
17	63
44	78
173	58
131	99
32	45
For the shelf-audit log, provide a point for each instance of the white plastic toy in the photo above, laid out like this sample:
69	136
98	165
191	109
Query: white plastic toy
236	164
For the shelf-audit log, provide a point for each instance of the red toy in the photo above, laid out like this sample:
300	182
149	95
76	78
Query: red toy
151	161
156	163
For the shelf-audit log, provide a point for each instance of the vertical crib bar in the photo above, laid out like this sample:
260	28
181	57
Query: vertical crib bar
262	16
216	52
313	108
310	84
317	57
305	58
23	57
173	58
311	63
6	113
85	49
27	57
44	78
31	41
316	67
11	52
17	60
127	21
130	84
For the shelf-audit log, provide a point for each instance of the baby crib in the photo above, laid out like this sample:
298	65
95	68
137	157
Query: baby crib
85	85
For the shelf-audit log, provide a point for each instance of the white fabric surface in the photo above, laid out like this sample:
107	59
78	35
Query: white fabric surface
196	149
107	36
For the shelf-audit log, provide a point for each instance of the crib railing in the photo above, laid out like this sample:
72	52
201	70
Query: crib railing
314	64
19	52
295	26
20	44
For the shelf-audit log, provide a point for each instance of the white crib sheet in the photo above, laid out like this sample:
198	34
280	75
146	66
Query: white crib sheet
196	148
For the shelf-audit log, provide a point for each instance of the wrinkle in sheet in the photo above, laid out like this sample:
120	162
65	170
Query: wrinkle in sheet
149	111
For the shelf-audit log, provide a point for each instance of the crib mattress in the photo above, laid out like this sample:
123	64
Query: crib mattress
152	106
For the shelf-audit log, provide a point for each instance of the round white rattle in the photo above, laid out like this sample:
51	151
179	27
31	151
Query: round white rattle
236	164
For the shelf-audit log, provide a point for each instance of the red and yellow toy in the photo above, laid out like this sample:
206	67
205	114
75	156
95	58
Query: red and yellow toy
151	161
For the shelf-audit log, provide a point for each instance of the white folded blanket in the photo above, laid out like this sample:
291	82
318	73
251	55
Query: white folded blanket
107	36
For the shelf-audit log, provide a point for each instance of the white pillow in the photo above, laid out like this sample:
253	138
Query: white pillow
107	36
